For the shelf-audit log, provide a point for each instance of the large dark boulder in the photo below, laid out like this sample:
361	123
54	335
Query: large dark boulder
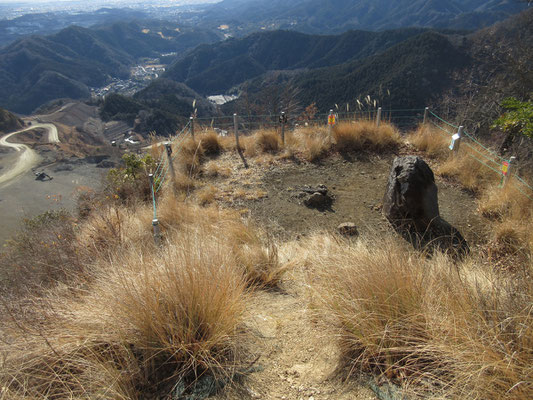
411	206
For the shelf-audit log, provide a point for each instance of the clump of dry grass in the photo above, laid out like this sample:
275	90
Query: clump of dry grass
214	169
211	143
431	141
189	157
147	318
256	256
267	141
470	173
439	328
148	322
313	143
206	195
498	202
365	136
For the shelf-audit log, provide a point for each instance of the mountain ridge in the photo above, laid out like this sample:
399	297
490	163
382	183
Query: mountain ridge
38	69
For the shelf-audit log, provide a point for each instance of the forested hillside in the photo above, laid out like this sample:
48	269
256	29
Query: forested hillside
37	69
212	69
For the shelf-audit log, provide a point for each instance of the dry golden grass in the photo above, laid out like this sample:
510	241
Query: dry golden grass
214	169
228	227
430	140
313	142
468	172
147	323
365	136
443	330
267	141
147	317
211	143
190	157
206	195
498	202
182	183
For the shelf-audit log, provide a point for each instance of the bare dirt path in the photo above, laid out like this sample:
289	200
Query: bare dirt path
297	358
27	158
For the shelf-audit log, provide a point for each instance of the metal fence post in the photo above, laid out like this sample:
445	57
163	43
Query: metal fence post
236	129
510	169
283	120
426	114
378	118
168	147
155	221
458	137
191	120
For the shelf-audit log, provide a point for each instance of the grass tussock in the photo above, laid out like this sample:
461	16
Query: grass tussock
206	195
441	329
268	141
429	140
365	136
470	173
147	323
210	143
313	143
190	157
143	319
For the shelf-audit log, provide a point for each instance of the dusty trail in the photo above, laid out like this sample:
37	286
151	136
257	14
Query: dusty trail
27	158
297	358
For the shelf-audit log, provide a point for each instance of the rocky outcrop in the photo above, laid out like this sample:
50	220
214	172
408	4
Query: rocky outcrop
411	206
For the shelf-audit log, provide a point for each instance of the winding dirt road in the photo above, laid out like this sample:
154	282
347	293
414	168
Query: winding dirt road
27	158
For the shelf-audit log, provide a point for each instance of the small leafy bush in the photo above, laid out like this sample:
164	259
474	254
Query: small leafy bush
518	117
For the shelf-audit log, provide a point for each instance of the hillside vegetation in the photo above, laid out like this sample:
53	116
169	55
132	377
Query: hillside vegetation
9	122
212	69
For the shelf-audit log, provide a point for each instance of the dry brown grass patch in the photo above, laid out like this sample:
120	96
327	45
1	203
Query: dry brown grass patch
470	173
430	140
365	136
206	195
189	157
267	141
211	144
150	317
440	329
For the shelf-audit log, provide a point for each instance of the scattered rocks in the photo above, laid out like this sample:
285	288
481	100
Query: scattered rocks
316	197
348	229
411	206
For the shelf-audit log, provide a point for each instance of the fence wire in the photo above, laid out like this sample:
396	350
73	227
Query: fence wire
489	155
403	118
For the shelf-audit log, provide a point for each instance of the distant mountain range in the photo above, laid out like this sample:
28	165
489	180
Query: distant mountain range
323	68
336	16
48	23
37	69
